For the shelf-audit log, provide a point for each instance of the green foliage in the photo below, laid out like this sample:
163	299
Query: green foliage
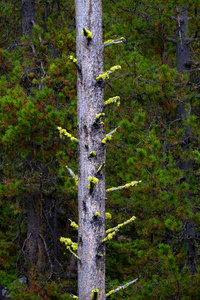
38	93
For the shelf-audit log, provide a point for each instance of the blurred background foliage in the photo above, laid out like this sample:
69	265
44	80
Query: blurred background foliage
38	93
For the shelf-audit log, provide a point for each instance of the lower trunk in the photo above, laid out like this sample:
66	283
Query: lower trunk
35	246
52	242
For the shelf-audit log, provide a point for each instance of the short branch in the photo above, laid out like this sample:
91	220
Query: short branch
114	42
120	288
126	186
171	40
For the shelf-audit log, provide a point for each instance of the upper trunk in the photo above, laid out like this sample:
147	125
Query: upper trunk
182	46
28	16
91	268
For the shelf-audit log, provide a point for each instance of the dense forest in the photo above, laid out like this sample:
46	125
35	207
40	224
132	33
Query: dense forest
155	130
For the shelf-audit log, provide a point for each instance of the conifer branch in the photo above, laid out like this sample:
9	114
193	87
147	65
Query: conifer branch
71	172
74	60
115	99
70	245
116	228
63	133
106	74
109	136
112	231
126	186
114	42
73	224
122	287
113	131
171	40
73	175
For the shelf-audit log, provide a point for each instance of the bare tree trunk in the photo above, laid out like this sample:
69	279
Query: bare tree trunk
91	196
28	16
35	247
183	65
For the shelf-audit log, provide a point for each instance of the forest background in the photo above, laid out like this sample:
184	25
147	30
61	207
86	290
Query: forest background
157	142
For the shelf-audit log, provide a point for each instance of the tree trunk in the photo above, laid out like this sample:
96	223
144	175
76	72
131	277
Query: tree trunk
28	16
35	247
52	241
183	65
90	93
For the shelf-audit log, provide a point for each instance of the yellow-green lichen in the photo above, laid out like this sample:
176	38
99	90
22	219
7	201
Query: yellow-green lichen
108	216
112	42
75	297
115	68
109	236
93	181
108	41
116	228
96	214
74	246
99	116
95	294
100	168
64	133
99	254
127	185
103	76
115	99
132	183
72	58
109	293
76	180
92	153
87	33
70	246
73	224
107	138
106	74
66	241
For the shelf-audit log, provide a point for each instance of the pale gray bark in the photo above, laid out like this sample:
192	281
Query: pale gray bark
90	93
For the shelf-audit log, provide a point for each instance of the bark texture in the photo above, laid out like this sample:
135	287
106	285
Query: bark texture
28	16
90	93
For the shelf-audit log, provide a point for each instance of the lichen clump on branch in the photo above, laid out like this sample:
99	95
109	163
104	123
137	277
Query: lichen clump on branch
63	133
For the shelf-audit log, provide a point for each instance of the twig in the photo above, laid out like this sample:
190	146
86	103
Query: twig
114	42
126	186
112	231
71	172
132	219
45	246
113	131
120	288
